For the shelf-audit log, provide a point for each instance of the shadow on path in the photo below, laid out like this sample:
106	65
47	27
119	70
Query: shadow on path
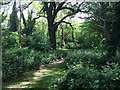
42	79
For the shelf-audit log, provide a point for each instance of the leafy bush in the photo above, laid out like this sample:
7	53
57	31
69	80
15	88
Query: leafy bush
71	45
17	61
61	53
110	76
9	39
79	77
51	56
48	57
86	56
90	78
39	43
33	60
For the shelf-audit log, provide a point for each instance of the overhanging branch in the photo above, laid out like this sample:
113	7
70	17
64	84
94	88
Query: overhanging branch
28	5
58	8
68	23
25	7
39	17
5	3
73	13
67	8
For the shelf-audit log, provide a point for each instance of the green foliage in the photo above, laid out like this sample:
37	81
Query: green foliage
86	56
61	53
110	76
39	43
52	56
19	60
29	24
90	35
48	57
90	78
79	77
9	39
71	45
25	40
13	22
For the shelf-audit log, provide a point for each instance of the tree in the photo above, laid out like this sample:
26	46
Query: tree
1	20
21	9
115	32
107	18
0	47
52	9
13	22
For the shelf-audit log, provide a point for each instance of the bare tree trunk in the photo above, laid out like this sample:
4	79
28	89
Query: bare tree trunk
20	32
52	37
73	35
0	51
62	38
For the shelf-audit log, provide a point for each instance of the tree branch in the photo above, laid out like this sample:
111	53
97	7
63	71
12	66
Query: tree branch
60	5
39	17
84	17
67	8
58	23
73	13
3	17
24	7
5	3
68	23
24	21
58	8
29	4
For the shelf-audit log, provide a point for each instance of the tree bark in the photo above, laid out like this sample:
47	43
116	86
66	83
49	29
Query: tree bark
0	51
63	41
52	9
115	34
52	37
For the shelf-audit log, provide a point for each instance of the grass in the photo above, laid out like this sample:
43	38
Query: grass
49	79
45	78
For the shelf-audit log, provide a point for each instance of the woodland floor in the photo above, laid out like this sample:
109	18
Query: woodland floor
44	78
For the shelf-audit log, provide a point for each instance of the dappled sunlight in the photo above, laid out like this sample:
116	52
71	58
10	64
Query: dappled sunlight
41	78
20	85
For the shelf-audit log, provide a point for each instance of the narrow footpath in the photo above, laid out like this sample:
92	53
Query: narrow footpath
44	78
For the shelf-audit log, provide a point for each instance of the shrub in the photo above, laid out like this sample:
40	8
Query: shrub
61	53
33	60
71	45
110	76
51	56
88	77
9	39
86	56
80	77
17	61
39	43
48	57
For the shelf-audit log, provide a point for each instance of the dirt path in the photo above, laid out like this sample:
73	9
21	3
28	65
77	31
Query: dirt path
43	78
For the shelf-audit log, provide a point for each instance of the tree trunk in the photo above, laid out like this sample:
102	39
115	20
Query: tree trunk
62	36
20	32
113	40
115	34
52	37
0	50
112	49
